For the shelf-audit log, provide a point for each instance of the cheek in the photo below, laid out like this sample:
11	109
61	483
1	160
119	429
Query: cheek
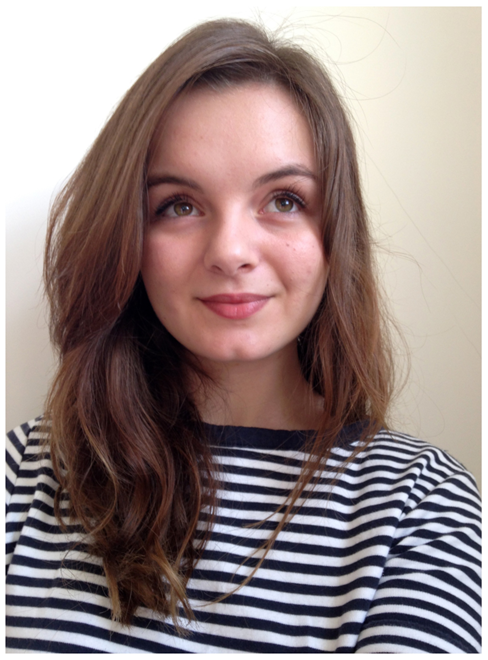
307	266
162	262
153	261
160	277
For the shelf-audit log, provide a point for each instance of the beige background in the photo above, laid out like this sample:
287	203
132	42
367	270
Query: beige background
412	80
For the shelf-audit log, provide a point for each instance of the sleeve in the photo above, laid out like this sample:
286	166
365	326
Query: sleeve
429	597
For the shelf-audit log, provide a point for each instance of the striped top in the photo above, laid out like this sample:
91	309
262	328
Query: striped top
385	560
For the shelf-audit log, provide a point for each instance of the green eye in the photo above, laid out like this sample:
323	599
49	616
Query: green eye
283	204
183	208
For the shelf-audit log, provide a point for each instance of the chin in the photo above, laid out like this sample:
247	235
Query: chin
232	356
242	352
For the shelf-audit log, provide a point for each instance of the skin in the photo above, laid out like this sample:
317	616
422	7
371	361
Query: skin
225	219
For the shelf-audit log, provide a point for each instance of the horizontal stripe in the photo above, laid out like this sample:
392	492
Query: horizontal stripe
383	559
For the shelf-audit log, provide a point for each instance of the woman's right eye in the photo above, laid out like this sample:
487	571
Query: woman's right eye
176	208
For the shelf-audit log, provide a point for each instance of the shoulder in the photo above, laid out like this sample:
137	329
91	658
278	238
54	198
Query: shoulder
406	447
27	455
416	479
401	454
25	438
30	480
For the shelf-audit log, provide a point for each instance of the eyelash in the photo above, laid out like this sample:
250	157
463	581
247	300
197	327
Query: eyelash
174	199
291	193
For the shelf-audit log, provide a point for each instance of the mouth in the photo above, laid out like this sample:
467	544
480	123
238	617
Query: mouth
236	306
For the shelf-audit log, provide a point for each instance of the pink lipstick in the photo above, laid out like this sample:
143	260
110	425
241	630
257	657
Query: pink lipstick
235	305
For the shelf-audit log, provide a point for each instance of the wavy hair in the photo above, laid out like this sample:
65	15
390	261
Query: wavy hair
126	439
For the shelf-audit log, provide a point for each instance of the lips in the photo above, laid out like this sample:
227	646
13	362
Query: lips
235	306
235	298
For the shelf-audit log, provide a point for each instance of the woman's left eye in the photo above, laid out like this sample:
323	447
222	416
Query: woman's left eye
284	204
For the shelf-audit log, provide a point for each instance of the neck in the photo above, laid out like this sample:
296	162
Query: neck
270	393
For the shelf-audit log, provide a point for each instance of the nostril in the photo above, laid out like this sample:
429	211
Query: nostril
230	256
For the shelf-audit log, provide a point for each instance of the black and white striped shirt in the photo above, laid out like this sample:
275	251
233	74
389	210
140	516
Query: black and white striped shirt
385	560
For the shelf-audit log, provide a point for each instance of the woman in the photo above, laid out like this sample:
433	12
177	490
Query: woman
217	474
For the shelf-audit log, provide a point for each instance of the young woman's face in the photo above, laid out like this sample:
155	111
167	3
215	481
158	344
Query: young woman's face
233	261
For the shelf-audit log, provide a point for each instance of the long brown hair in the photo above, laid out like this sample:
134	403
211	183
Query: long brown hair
126	439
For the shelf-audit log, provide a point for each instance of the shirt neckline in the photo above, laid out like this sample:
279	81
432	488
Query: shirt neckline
251	437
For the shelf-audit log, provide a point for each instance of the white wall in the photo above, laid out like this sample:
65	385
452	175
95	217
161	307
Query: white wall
412	79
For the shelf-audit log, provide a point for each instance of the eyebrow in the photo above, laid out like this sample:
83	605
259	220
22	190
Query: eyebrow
156	180
289	170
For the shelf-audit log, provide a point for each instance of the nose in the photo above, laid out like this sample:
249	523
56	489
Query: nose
232	244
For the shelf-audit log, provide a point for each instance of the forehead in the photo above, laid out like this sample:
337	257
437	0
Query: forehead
262	117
